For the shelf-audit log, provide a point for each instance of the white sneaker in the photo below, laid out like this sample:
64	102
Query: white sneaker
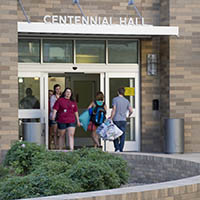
117	151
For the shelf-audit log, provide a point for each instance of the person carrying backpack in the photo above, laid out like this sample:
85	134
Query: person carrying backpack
97	110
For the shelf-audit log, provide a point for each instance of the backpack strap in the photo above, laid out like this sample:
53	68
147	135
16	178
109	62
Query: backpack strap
95	102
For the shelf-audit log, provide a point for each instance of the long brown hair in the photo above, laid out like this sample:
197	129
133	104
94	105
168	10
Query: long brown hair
63	94
54	88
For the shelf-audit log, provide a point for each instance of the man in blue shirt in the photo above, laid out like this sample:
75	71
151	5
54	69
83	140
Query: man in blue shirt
120	107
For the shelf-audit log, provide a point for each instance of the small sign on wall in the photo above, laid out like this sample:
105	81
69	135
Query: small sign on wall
129	91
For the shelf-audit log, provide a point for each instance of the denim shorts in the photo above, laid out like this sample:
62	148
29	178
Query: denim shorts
52	122
65	125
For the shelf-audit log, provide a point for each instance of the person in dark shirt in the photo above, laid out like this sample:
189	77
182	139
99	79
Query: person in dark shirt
67	118
30	101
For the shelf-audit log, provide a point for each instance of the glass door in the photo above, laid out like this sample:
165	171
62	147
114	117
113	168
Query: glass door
85	87
33	100
130	81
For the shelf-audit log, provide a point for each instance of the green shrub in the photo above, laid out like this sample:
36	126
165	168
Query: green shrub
118	164
69	157
93	154
94	175
21	155
15	188
51	168
4	172
61	184
44	173
120	168
36	186
46	184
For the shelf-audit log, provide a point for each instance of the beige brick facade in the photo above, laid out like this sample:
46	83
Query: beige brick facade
184	73
176	86
8	75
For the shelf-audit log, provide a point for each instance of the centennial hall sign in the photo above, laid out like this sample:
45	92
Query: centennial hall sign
89	20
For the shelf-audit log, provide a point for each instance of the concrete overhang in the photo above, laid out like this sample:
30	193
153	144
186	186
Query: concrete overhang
108	30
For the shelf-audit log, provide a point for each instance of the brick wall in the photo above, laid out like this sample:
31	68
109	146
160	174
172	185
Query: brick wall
8	75
152	192
150	89
184	91
164	68
149	169
37	9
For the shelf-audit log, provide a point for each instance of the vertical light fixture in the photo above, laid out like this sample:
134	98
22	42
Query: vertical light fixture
131	3
78	4
152	64
24	12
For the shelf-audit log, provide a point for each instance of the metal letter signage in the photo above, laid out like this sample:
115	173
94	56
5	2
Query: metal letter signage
90	20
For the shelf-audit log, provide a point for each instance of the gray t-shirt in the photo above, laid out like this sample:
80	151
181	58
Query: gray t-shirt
122	106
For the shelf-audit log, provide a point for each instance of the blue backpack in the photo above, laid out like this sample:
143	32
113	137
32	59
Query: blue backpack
99	114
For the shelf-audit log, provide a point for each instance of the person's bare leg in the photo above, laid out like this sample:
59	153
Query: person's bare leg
95	138
70	132
61	133
50	137
55	135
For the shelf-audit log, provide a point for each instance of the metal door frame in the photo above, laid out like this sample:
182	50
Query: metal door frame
41	113
129	145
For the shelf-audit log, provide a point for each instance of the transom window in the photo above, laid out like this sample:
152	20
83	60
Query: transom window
90	51
78	51
122	51
57	51
29	50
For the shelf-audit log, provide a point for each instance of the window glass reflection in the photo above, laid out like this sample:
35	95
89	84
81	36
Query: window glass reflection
57	51
130	129
29	93
116	83
88	51
122	51
29	50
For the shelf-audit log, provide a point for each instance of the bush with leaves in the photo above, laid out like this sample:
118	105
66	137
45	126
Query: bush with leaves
51	168
93	154
36	186
96	175
4	172
21	156
69	157
45	173
120	168
115	162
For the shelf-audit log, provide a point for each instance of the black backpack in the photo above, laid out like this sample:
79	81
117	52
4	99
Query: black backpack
99	114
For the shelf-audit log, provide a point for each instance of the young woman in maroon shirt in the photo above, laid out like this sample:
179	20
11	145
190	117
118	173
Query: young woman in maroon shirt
67	117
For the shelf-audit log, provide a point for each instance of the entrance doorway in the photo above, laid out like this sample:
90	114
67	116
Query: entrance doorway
130	81
84	87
